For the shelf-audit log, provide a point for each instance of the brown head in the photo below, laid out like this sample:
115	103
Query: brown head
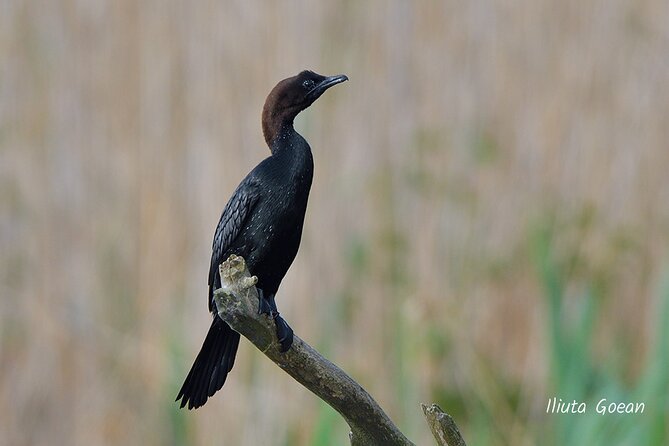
291	96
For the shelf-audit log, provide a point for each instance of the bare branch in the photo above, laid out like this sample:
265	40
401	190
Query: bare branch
237	304
443	427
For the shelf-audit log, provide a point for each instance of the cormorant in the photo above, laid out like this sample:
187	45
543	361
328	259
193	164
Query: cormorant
262	222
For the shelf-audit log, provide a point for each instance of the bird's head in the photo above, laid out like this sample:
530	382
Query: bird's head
292	95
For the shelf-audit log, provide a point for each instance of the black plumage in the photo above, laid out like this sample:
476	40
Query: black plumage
261	222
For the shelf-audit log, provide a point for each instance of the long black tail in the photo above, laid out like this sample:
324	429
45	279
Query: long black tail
211	366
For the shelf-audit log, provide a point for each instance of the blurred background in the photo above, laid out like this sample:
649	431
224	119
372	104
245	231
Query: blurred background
488	226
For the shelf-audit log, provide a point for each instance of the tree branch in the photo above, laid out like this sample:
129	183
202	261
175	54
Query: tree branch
237	304
443	427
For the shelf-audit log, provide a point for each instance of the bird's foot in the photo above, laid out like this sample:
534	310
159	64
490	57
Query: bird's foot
283	332
264	306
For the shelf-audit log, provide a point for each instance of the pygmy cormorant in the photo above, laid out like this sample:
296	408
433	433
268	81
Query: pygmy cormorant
262	222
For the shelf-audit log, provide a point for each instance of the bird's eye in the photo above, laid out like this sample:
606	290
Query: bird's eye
308	84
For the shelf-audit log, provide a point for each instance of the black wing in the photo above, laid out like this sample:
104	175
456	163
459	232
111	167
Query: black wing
232	221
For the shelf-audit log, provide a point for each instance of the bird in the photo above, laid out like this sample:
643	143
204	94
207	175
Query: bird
262	222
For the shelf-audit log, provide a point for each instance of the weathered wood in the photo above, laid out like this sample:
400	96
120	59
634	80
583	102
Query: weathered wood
443	427
237	304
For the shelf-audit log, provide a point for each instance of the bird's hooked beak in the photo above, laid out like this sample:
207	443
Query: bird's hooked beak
326	83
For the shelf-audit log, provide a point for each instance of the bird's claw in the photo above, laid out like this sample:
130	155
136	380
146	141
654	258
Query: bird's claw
283	333
263	306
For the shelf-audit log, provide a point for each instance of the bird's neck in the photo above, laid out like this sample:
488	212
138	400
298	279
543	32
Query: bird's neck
291	151
290	145
279	137
277	123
